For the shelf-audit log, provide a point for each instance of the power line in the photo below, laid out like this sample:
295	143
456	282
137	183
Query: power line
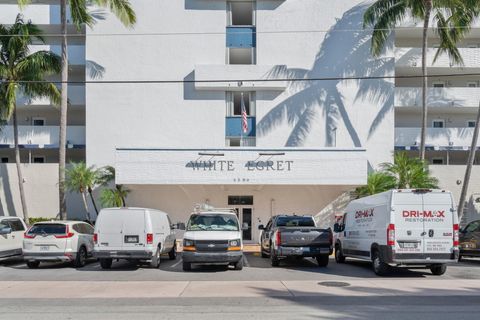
241	81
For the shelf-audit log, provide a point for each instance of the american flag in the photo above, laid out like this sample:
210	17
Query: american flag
244	116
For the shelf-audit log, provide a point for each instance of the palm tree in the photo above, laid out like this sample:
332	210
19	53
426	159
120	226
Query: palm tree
24	72
453	19
81	179
377	182
409	172
114	197
80	16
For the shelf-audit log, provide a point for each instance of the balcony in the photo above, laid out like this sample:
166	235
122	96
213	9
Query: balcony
241	37
76	96
76	53
233	127
437	138
47	13
42	136
438	97
239	77
412	58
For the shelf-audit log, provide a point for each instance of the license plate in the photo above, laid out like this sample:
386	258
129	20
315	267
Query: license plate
44	248
409	245
131	239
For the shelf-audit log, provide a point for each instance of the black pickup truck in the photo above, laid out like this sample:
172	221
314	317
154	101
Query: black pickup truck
295	236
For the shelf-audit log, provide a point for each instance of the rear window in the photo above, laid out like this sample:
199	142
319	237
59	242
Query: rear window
295	222
15	224
48	229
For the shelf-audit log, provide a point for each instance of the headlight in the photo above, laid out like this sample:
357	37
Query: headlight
188	243
234	243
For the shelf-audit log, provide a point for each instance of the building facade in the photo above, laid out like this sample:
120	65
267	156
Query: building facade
263	106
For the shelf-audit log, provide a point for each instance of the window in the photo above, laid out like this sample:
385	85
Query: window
269	225
4	160
438	84
16	225
38	121
438	123
241	13
234	103
88	229
241	56
212	222
473	227
240	200
294	221
437	161
78	228
471	84
38	159
50	228
471	123
241	142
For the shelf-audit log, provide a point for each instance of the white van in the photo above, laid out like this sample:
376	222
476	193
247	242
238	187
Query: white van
135	234
213	236
11	237
400	228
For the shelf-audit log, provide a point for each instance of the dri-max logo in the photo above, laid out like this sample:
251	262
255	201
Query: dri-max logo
364	214
423	214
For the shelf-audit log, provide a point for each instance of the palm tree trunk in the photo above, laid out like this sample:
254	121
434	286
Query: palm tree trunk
84	198
19	168
468	171
426	22
63	115
90	192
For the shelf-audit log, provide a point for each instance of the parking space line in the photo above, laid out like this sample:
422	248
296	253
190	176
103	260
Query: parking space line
176	264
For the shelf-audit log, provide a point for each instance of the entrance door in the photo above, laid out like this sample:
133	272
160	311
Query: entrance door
245	217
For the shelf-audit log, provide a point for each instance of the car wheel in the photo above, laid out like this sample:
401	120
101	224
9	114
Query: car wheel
172	255
460	258
81	258
379	267
239	264
339	257
155	262
274	259
33	264
187	266
263	253
323	260
438	269
106	263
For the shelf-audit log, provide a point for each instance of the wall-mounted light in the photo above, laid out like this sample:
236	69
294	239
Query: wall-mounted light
211	154
271	153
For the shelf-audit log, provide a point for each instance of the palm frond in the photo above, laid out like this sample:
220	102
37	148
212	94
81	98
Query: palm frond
122	9
43	63
80	14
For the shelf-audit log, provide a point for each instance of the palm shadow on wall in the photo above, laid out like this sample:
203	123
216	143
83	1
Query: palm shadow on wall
342	54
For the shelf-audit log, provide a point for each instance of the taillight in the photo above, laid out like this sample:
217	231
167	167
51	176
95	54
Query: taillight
278	238
67	234
28	236
95	238
149	238
456	241
391	235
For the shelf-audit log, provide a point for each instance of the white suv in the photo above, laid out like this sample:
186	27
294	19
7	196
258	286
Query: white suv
66	241
11	237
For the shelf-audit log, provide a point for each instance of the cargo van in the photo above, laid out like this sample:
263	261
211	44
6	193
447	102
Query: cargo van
135	234
400	228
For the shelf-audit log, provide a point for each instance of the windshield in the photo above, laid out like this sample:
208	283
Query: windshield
48	229
295	222
212	222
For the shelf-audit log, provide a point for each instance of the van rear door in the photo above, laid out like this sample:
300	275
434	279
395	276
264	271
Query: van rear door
408	225
134	229
438	220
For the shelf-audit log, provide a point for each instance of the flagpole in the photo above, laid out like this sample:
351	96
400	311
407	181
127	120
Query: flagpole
241	122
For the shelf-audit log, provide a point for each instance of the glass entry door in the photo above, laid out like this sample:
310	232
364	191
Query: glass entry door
245	217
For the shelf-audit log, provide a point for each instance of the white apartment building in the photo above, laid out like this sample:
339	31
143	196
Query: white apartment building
168	115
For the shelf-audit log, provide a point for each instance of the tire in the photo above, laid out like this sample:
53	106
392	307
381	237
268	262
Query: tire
187	266
81	258
106	263
339	257
263	253
155	262
460	258
239	264
323	260
379	267
33	264
172	255
274	259
438	269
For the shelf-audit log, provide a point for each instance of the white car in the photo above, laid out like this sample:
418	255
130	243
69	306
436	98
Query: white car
65	241
213	236
417	228
11	237
135	234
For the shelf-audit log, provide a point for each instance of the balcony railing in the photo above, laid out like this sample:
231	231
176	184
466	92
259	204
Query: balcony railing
76	97
233	127
241	37
438	97
76	53
436	137
42	136
46	12
412	58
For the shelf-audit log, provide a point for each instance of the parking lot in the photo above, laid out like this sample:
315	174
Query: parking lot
256	269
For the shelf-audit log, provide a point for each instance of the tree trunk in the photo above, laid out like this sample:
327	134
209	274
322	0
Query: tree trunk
19	168
84	198
90	192
119	190
63	115
426	22
468	171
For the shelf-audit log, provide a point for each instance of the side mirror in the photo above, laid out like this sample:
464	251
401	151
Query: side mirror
261	227
6	230
245	226
337	227
179	226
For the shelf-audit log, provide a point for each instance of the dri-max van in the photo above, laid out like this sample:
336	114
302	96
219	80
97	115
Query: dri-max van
400	228
135	234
